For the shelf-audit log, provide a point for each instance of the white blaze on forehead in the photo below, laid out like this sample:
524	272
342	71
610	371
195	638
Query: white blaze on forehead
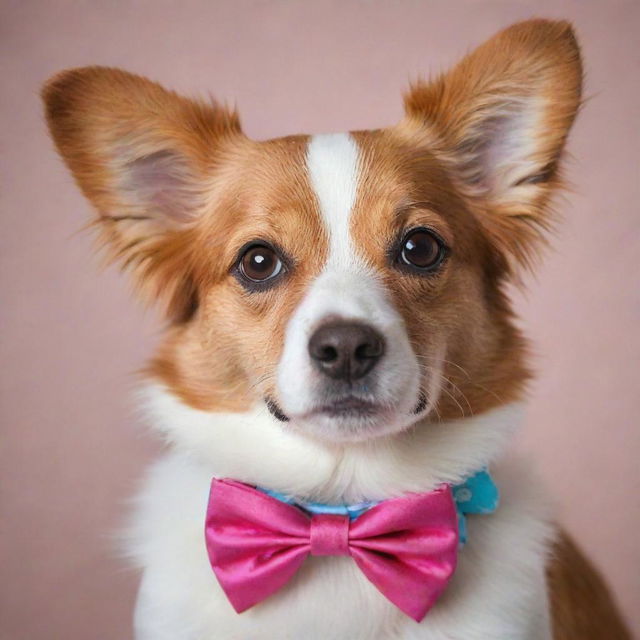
345	288
332	163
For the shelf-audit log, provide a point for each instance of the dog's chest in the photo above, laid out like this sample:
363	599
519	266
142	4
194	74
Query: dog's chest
497	592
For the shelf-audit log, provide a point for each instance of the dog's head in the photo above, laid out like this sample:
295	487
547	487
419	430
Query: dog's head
351	283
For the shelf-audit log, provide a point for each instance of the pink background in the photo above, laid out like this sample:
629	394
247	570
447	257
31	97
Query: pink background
71	337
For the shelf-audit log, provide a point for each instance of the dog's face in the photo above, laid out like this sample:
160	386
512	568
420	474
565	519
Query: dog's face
352	284
350	270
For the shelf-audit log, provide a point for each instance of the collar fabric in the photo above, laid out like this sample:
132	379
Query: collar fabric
478	494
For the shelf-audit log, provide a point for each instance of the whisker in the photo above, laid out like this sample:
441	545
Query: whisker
430	359
457	388
454	399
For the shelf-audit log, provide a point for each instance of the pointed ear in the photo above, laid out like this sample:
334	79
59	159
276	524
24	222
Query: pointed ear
144	157
501	118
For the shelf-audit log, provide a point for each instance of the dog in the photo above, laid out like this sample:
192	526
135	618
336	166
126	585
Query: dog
340	350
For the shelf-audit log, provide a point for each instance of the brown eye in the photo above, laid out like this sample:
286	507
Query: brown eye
422	250
260	263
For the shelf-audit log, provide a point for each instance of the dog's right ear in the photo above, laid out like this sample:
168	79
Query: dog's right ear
501	117
145	158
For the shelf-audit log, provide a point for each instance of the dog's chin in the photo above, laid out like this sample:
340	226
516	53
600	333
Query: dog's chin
351	420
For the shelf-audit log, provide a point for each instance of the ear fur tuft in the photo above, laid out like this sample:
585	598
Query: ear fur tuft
145	158
501	117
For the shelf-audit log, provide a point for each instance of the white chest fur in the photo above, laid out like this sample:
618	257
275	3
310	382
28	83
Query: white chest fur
497	592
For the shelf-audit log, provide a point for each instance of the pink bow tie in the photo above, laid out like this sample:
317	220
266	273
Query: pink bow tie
407	547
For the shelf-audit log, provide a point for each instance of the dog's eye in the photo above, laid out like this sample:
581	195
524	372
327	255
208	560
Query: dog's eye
422	249
260	263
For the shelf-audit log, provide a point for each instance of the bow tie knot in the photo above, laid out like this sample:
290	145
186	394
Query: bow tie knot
329	535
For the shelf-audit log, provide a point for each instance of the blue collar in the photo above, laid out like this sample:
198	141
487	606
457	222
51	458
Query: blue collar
477	494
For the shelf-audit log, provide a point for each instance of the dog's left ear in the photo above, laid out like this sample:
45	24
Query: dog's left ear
501	119
146	158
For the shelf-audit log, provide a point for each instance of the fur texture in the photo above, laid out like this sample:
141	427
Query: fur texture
183	198
498	590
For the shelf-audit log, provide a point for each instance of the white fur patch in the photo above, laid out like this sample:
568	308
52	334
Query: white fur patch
254	448
332	163
498	590
346	288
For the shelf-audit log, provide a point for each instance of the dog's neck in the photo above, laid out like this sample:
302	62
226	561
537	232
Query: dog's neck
255	448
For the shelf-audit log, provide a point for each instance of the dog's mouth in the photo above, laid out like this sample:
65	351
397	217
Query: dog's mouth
276	411
348	407
351	407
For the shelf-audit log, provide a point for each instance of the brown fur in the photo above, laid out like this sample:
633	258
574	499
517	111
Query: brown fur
531	65
443	166
581	605
404	185
105	122
112	127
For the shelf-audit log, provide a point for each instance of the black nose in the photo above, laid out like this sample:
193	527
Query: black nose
345	350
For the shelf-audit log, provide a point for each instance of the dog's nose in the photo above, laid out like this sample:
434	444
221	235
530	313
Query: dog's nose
345	350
